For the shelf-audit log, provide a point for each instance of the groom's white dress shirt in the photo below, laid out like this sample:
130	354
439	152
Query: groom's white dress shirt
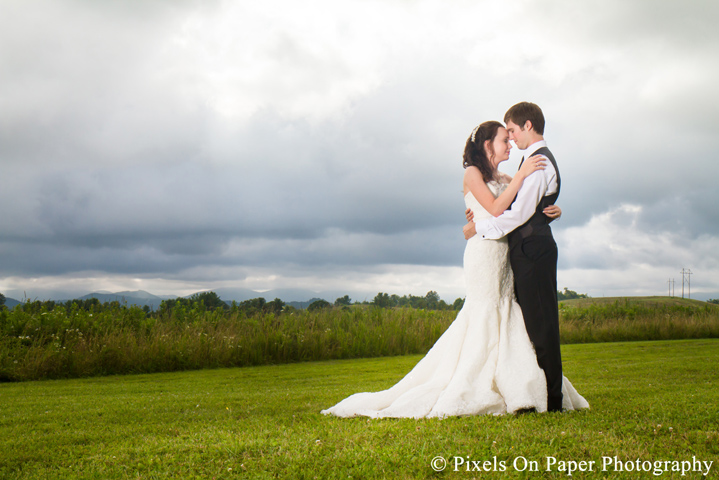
534	187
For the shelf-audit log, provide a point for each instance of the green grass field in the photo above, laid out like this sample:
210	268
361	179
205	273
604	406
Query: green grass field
656	402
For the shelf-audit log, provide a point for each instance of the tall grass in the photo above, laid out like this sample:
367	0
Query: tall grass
69	341
63	344
627	320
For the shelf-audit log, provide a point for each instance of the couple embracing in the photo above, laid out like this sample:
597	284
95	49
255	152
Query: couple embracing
501	354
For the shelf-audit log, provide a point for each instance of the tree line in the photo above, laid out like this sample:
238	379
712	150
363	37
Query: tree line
210	301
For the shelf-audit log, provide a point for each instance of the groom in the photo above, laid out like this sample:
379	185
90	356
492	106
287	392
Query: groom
532	250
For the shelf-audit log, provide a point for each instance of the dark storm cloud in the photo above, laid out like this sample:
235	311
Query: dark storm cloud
129	146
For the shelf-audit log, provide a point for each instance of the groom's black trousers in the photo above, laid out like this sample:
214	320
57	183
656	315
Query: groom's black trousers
534	263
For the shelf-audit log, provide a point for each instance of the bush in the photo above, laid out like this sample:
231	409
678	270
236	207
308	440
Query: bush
318	305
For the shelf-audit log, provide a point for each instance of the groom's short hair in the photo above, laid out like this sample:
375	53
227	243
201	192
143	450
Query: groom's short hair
523	111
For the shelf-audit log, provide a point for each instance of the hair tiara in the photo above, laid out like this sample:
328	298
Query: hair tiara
474	132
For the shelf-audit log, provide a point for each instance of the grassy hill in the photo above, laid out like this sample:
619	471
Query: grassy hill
611	319
641	301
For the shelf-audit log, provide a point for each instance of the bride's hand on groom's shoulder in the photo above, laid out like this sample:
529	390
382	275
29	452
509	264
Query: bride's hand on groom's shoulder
532	164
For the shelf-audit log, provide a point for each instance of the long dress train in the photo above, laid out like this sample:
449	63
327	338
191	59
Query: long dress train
484	363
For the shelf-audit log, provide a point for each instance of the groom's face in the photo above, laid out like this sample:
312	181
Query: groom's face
519	136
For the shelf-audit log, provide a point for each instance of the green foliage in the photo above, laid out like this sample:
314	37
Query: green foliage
382	300
714	301
568	294
458	304
2	300
343	301
628	319
209	300
318	305
37	342
258	306
430	301
651	401
76	339
205	301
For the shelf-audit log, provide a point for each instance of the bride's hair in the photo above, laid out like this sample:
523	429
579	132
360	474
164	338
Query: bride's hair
474	153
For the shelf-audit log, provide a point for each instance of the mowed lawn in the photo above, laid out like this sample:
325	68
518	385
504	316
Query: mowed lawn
655	402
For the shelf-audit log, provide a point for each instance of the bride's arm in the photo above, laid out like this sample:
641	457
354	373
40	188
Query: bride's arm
474	182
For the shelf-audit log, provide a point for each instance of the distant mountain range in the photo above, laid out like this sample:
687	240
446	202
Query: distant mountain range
297	298
11	302
138	297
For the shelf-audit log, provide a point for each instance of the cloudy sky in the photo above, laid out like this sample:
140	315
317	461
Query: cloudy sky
177	146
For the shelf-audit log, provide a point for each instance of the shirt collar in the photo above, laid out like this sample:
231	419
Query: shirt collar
534	147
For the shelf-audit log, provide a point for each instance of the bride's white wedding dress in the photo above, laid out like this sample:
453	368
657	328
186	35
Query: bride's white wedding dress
484	363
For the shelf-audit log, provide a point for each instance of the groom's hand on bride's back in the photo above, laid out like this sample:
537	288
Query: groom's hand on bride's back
469	214
469	230
553	212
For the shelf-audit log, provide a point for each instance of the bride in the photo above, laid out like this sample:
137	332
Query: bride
484	363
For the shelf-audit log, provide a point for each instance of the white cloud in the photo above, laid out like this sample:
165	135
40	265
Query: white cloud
613	255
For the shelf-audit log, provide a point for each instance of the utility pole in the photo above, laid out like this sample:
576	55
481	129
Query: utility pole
670	283
686	273
683	281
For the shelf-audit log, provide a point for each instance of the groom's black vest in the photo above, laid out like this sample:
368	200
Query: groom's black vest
538	224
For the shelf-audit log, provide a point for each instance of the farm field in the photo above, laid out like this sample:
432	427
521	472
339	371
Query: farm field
652	401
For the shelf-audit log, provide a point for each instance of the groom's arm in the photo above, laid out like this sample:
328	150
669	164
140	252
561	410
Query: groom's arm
528	197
